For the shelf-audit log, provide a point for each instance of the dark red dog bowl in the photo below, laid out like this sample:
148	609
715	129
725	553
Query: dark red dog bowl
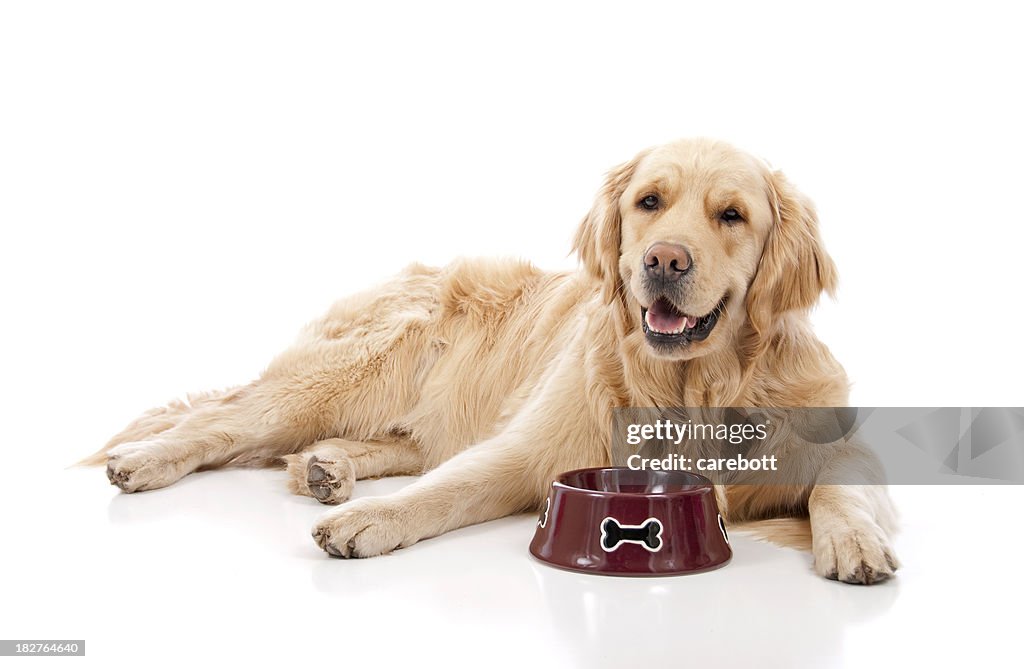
627	522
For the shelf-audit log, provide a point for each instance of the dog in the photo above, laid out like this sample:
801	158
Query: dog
698	266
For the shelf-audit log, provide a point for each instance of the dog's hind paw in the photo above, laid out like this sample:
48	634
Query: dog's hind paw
330	481
141	465
327	479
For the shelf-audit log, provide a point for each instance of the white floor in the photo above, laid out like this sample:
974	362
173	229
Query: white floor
221	566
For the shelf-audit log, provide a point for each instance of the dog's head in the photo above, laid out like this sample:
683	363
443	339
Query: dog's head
698	240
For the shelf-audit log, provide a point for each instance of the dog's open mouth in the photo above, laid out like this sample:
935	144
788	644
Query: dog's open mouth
665	324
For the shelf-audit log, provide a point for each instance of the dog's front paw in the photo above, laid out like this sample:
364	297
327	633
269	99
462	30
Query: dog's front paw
141	465
364	528
853	552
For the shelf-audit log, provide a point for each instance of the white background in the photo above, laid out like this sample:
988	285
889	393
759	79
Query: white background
182	185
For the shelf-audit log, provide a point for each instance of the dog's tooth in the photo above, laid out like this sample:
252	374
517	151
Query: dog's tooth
691	321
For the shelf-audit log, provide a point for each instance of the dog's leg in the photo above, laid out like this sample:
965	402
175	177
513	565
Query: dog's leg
351	373
249	423
503	475
852	520
328	469
487	481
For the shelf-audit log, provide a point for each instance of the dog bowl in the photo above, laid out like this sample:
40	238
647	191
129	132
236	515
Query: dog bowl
629	522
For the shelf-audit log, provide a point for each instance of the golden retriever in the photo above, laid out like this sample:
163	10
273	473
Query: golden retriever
698	267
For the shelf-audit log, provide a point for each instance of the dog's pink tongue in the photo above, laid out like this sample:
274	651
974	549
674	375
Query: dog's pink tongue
663	317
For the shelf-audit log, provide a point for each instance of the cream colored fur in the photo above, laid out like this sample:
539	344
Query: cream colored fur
492	377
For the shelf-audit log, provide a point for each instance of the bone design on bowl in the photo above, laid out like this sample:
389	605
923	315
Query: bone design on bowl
613	534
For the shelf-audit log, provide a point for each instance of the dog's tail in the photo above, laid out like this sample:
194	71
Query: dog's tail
94	460
787	532
153	422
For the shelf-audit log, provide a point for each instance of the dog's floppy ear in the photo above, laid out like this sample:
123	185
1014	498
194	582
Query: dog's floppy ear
600	234
795	268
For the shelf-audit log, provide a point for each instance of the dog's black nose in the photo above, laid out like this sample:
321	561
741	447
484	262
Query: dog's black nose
667	261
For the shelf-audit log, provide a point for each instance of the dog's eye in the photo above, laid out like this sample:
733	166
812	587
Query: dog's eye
650	202
730	215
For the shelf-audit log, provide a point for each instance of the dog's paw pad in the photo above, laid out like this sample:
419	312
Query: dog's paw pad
316	473
330	481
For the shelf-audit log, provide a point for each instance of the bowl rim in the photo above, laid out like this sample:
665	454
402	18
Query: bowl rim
702	486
